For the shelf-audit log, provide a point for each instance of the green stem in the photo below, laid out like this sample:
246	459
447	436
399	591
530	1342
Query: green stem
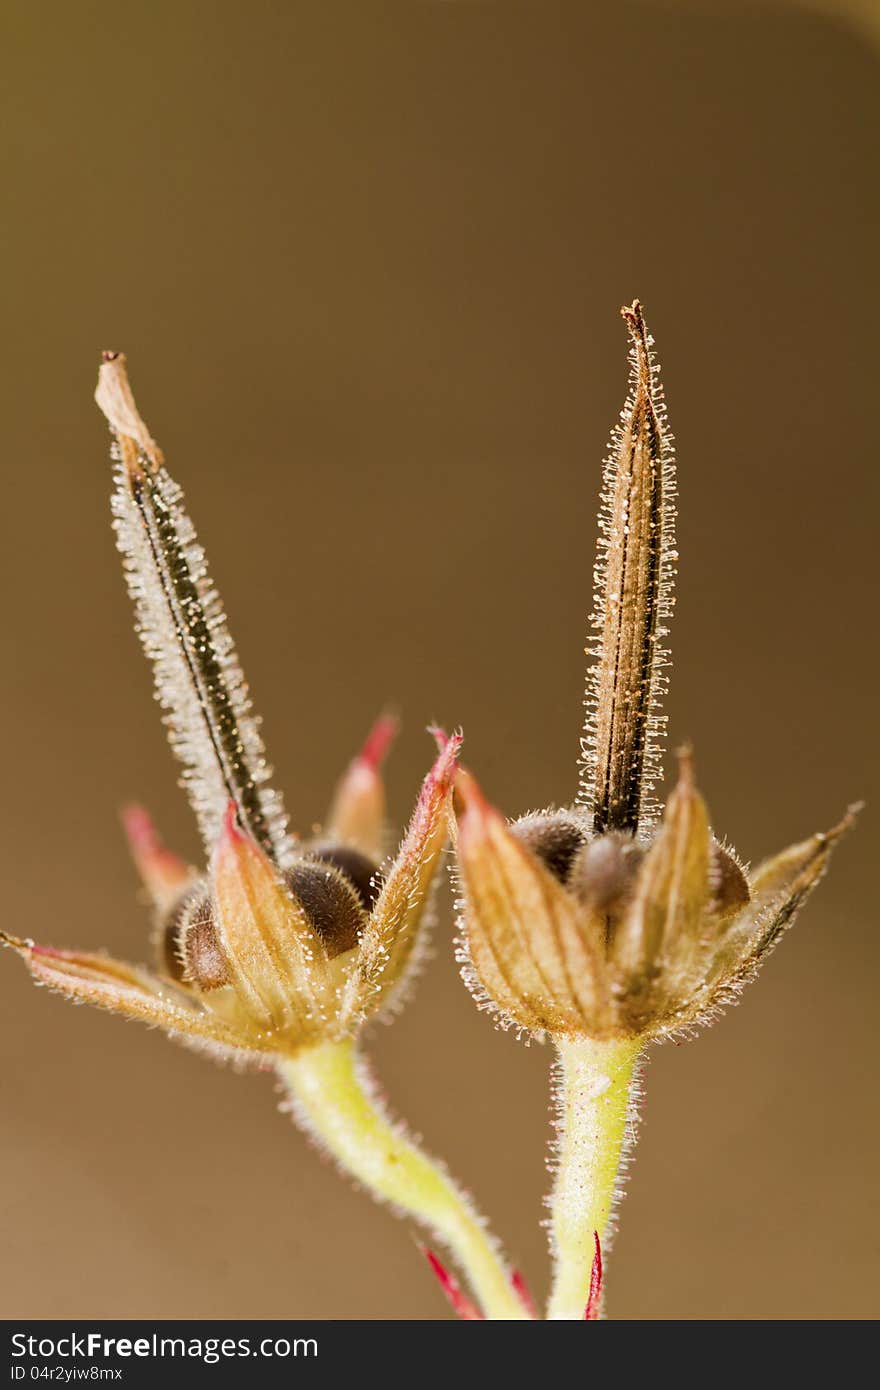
594	1089
334	1101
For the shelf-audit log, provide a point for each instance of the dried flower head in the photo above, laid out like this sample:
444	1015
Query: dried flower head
600	921
617	939
282	943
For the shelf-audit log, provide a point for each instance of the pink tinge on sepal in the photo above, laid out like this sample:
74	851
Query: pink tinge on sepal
237	854
52	952
232	831
440	736
594	1297
434	788
164	873
357	814
521	1289
445	764
459	1300
379	740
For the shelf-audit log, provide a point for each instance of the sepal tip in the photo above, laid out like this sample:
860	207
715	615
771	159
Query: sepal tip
458	1299
379	740
163	873
594	1297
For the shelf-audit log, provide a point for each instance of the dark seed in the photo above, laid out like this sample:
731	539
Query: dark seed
554	838
360	871
330	902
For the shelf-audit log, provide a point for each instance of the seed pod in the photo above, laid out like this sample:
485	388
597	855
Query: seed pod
171	929
204	962
358	869
729	885
604	873
555	837
189	947
330	902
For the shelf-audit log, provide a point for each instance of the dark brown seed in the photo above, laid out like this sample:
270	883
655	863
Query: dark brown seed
330	903
360	871
555	839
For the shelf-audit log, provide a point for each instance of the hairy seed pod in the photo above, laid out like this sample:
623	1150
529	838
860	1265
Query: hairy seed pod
729	885
604	872
330	902
331	898
204	963
359	869
554	837
189	945
169	935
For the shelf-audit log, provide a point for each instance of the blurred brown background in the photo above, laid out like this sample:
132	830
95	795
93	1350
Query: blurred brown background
366	262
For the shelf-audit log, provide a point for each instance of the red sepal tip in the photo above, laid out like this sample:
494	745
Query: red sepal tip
164	873
459	1300
231	825
443	771
440	736
140	830
379	740
594	1297
521	1289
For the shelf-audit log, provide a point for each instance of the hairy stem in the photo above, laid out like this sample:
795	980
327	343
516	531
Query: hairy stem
333	1100
595	1082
